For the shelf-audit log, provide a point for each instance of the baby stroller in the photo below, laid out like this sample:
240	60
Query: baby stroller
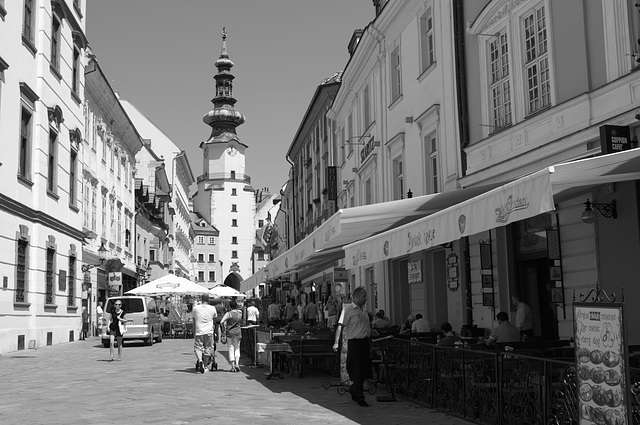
210	361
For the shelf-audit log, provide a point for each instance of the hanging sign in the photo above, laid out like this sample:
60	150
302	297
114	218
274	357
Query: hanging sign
340	275
601	363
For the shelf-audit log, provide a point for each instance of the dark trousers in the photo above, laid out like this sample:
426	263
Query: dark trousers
358	365
528	332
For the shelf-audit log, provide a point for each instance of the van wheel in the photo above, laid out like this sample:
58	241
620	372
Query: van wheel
149	340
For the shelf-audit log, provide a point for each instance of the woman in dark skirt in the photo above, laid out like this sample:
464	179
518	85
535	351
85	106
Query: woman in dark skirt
117	317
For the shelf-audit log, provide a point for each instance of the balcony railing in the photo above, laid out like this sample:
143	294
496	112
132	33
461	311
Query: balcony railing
238	177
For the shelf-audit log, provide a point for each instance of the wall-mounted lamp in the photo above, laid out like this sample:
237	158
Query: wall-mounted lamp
102	255
607	211
409	194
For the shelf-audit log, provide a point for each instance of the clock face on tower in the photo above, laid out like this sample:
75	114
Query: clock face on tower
232	151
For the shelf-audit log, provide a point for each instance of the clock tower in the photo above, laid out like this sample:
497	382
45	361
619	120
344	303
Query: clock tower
225	196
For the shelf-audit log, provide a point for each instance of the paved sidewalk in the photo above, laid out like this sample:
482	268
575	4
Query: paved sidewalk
74	383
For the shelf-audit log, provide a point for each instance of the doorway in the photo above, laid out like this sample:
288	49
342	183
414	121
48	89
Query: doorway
533	285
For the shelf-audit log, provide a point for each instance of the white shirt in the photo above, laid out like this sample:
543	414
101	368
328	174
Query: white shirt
253	313
421	325
203	316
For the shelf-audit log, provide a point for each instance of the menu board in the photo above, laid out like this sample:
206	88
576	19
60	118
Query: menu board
601	363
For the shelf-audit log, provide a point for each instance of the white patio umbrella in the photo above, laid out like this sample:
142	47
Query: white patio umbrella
169	285
224	291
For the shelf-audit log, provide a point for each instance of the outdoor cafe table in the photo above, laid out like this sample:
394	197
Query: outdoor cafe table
265	344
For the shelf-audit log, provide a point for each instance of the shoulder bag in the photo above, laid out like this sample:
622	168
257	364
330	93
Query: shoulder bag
122	326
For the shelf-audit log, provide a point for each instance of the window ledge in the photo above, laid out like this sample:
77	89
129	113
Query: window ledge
52	195
74	208
77	9
56	72
427	71
22	179
76	97
21	305
72	308
29	45
395	102
50	308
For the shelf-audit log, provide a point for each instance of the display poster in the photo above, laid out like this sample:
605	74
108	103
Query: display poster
415	271
601	363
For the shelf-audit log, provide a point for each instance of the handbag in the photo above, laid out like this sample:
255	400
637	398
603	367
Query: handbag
123	327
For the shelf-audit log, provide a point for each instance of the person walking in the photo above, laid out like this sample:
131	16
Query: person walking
116	327
99	318
204	316
253	314
331	312
273	313
354	322
290	310
524	319
312	314
230	325
85	323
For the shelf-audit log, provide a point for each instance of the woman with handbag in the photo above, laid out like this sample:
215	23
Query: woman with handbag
230	325
117	328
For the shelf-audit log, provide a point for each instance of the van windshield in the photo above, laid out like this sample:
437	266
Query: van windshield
129	305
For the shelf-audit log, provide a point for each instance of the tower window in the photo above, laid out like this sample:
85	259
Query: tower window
234	192
234	208
234	222
234	254
234	240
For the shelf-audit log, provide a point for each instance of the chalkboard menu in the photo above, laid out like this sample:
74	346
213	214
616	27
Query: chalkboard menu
601	363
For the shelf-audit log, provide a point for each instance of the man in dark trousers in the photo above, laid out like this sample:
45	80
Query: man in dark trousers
354	322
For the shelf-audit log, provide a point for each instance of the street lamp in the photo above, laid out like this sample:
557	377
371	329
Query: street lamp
102	255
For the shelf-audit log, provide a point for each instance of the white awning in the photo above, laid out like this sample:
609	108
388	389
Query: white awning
348	225
256	279
518	200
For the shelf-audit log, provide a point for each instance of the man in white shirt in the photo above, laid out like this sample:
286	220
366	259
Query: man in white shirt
524	319
420	325
203	320
253	314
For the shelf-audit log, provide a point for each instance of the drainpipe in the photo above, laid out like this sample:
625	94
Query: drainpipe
293	194
463	122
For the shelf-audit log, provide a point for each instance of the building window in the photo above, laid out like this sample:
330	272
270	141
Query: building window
85	203
104	150
260	223
212	240
55	43
119	235
201	275
233	175
127	231
431	162
200	240
234	240
234	254
212	258
104	216
366	105
500	84
28	27
119	168
112	226
260	255
113	158
234	208
75	74
396	74
21	271
427	56
52	162
398	179
212	276
234	192
49	277
200	258
73	163
71	281
368	192
234	222
24	165
152	255
94	207
536	61
351	133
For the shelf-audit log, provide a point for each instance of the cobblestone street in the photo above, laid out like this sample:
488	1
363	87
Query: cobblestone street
74	383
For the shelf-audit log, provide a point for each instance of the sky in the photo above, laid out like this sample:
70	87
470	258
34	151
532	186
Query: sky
160	55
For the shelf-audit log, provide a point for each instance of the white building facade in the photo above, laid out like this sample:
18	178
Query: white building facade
41	131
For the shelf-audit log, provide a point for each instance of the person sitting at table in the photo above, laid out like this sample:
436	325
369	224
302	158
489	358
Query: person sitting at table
384	316
378	321
420	325
504	332
406	326
295	325
450	337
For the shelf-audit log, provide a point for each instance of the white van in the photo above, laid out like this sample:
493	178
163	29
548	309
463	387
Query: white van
143	319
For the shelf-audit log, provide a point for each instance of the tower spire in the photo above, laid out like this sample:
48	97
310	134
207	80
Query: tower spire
224	118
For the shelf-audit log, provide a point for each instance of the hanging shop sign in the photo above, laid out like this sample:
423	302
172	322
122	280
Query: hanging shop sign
616	138
115	279
601	363
340	275
332	183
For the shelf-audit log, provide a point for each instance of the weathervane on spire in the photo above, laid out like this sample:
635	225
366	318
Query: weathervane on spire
224	33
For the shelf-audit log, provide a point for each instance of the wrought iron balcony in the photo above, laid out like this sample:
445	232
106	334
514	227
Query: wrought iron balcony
238	177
